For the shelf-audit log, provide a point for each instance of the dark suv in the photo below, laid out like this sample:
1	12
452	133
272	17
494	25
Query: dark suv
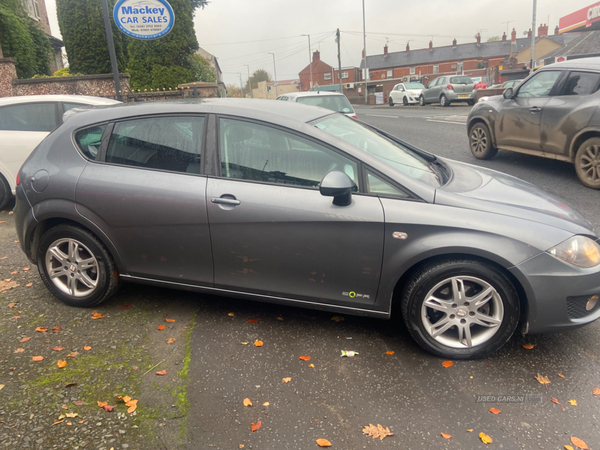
553	113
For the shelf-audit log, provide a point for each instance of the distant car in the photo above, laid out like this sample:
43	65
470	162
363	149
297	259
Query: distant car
553	113
24	122
405	93
325	99
447	89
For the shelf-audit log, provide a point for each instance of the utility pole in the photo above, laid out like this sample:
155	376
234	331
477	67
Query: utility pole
111	51
309	60
241	85
337	39
275	71
532	63
510	21
365	51
249	83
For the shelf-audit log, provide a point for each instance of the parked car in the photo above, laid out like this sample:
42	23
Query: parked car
405	93
447	89
553	113
326	99
295	205
24	122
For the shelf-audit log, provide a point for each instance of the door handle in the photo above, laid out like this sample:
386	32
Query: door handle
535	109
225	201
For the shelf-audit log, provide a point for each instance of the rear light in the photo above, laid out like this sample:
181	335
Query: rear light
18	179
354	117
449	86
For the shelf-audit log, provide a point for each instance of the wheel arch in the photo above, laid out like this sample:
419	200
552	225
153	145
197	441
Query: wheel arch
475	120
580	138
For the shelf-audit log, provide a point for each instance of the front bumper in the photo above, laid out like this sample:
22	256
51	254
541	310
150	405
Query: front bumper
557	293
463	96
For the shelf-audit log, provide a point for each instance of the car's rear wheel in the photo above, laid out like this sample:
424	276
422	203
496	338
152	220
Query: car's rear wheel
587	163
5	193
405	101
76	267
390	101
422	100
480	142
444	101
460	309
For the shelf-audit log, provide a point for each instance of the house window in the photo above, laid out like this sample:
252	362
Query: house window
345	74
32	8
412	70
436	68
390	73
459	69
327	76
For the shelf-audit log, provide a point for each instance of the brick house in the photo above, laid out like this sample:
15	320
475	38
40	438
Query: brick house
323	74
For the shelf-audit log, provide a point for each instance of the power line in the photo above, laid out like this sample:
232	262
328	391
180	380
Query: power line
262	40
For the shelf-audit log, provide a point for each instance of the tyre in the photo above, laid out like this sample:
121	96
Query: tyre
444	101
422	101
5	194
587	163
471	102
390	101
76	267
405	101
480	142
460	309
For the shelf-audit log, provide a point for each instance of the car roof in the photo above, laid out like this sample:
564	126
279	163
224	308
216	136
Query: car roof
86	99
582	63
310	94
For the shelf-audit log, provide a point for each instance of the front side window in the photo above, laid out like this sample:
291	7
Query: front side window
163	143
580	83
89	140
255	152
381	187
29	117
540	85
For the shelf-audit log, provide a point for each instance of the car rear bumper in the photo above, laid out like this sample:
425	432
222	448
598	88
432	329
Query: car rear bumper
462	96
558	293
25	221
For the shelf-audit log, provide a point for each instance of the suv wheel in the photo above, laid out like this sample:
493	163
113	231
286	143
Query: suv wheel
460	309
76	267
444	101
422	100
587	163
480	142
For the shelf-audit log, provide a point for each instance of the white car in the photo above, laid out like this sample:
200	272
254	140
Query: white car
326	99
405	93
24	122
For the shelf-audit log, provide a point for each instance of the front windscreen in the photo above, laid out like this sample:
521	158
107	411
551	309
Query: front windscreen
338	103
386	150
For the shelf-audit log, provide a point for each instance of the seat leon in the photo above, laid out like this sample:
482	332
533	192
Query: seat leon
297	205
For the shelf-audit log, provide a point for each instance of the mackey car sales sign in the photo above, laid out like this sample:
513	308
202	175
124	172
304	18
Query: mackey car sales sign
144	19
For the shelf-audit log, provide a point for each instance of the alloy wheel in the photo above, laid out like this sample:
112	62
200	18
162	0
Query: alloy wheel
589	165
479	140
72	267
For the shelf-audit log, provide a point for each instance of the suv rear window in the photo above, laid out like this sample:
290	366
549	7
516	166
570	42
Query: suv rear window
461	80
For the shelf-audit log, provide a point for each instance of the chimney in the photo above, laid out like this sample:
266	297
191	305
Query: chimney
407	47
430	45
385	50
542	30
556	31
478	38
504	37
454	43
317	55
529	34
513	36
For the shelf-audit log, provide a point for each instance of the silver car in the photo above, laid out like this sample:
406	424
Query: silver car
333	101
447	89
296	205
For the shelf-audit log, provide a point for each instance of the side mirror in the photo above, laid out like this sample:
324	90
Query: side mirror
339	186
508	94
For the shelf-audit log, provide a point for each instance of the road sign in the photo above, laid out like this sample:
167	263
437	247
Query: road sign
144	19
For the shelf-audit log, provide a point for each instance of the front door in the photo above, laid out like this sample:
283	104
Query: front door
273	233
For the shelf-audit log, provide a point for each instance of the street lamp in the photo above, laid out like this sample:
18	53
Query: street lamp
309	60
365	51
275	70
249	83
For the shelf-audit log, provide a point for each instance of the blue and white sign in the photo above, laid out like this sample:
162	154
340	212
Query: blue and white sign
144	19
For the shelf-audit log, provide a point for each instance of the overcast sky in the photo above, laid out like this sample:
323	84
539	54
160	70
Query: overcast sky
243	32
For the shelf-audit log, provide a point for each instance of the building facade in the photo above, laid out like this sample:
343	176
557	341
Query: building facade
324	75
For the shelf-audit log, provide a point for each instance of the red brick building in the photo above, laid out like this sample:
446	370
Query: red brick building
323	74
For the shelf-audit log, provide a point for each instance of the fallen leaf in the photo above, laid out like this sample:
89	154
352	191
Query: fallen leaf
568	447
14	272
244	343
542	380
96	315
252	321
170	320
528	346
108	408
8	284
132	406
125	306
470	430
29	285
56	329
71	415
266	404
25	339
554	400
446	436
337	318
312	366
255	426
258	343
19	350
161	327
126	399
79	403
87	348
485	438
304	358
58	349
323	443
15	317
25	269
495	411
247	402
578	443
241	446
287	379
389	352
280	318
1	387
377	431
102	404
37	358
12	305
561	375
41	329
171	340
58	421
447	364
573	402
596	390
161	372
61	363
70	384
231	315
72	354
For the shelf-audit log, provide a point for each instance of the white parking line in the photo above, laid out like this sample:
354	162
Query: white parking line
446	121
381	115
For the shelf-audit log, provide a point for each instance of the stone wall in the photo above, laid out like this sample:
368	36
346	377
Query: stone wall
8	73
95	85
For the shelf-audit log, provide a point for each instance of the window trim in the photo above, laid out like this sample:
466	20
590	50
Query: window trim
410	196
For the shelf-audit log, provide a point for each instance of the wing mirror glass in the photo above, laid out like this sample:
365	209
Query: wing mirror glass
339	186
508	94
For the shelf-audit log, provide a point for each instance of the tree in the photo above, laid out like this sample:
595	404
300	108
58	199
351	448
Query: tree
257	76
493	39
233	90
81	24
23	40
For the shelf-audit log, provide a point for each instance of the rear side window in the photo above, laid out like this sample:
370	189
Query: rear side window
89	140
164	143
29	117
580	83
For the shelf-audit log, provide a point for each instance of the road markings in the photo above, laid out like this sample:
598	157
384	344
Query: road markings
381	115
446	121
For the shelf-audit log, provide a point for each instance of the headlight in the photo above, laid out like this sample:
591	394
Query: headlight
579	251
483	99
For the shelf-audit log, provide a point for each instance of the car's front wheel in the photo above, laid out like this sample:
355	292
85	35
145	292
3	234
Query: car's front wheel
76	267
390	101
422	100
480	142
405	101
587	163
460	309
5	193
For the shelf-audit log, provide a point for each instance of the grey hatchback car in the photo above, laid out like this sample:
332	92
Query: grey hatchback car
554	113
447	89
298	205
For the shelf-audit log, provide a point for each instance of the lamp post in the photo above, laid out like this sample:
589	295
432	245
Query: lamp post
249	83
275	71
309	60
365	50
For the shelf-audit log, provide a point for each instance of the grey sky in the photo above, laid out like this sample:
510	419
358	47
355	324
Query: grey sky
244	31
